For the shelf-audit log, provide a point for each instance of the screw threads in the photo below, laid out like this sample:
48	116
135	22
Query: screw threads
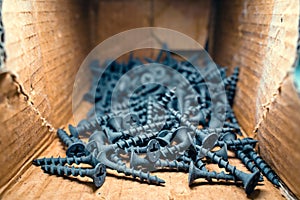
185	159
231	88
199	164
88	126
136	149
142	112
150	109
138	173
68	171
135	140
186	122
265	168
195	173
172	164
170	152
94	124
221	162
63	161
248	163
115	158
218	176
237	143
64	137
166	98
153	127
249	180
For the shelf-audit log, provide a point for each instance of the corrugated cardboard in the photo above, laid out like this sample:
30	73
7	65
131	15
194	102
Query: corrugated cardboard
48	40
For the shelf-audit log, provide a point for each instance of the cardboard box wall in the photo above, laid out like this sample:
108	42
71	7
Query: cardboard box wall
46	41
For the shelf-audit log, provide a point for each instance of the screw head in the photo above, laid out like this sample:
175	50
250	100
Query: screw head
153	152
76	149
99	175
209	141
251	182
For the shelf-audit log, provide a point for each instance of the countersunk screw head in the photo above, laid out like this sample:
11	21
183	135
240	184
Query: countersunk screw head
76	149
99	175
153	152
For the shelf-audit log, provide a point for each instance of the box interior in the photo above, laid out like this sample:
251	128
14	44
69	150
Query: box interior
46	42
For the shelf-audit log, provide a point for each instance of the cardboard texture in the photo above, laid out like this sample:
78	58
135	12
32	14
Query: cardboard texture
42	40
262	40
46	41
35	184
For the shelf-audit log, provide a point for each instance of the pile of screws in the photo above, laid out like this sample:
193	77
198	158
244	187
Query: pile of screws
174	124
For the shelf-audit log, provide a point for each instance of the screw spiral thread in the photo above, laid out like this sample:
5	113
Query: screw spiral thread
172	164
249	180
231	87
184	158
187	123
170	152
136	149
215	175
198	163
232	125
239	143
141	112
94	124
150	111
135	141
222	163
68	171
201	165
138	173
166	98
63	161
116	159
247	162
141	129
265	168
64	137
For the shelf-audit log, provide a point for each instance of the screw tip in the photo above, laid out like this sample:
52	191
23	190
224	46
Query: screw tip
35	162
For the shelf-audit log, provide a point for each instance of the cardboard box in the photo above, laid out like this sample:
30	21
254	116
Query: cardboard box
46	41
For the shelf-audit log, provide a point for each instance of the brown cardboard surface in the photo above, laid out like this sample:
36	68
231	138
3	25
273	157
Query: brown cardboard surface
262	40
34	184
186	16
189	17
42	38
46	42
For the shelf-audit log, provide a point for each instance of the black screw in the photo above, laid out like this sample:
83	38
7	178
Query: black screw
102	156
74	148
239	143
90	125
114	136
249	180
231	88
247	162
171	164
98	173
115	158
153	152
195	173
208	140
262	165
150	110
68	160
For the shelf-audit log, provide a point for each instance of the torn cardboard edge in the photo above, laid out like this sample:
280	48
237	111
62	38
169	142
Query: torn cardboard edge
285	191
43	143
